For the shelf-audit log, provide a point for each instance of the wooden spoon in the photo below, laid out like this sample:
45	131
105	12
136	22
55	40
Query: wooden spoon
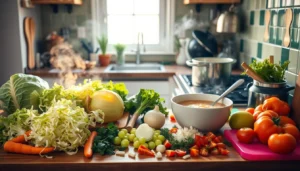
288	21
267	22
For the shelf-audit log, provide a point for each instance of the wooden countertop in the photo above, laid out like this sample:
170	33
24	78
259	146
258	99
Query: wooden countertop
62	161
170	70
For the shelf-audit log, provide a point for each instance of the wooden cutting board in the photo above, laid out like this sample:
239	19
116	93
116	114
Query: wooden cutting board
296	102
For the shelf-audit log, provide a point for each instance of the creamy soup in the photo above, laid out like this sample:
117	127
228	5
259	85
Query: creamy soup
200	104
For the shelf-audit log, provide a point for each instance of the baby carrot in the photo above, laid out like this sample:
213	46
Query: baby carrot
13	147
88	152
20	138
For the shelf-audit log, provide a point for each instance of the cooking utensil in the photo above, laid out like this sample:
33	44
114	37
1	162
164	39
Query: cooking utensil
203	44
230	89
288	21
211	71
267	22
258	151
228	21
259	92
29	27
251	73
204	119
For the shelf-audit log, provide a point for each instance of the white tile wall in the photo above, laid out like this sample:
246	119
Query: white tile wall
293	58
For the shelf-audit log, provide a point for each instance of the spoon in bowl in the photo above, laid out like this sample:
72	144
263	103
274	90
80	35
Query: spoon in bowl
230	89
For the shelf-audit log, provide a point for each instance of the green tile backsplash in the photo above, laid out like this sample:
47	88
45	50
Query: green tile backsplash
252	45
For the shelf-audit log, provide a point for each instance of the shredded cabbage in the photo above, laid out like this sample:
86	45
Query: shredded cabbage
63	126
17	123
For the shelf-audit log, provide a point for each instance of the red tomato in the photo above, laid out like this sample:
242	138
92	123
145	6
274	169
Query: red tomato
282	143
250	110
223	151
167	144
170	153
180	153
245	135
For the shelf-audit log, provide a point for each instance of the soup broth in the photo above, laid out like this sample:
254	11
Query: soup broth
200	104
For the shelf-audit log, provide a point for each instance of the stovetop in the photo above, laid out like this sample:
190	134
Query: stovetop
239	96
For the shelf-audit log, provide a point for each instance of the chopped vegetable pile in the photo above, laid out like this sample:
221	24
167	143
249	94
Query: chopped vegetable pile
270	72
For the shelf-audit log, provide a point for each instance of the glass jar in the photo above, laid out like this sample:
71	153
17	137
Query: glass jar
120	59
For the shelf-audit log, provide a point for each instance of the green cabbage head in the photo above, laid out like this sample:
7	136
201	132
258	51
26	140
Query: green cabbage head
21	91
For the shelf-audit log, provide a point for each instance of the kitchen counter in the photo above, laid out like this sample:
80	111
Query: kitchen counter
62	161
170	70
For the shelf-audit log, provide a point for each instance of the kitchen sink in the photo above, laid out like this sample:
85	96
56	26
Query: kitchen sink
137	68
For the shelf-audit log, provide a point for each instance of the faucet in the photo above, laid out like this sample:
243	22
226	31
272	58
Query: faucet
138	50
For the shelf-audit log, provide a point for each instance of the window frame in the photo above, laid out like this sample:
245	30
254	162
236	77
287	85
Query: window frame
166	23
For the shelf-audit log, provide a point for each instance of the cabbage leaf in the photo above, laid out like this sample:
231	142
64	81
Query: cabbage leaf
21	91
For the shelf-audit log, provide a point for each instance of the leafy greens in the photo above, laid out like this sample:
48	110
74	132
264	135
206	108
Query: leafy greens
21	91
270	72
144	101
104	141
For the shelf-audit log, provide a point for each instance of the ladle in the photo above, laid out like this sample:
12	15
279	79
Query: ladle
230	89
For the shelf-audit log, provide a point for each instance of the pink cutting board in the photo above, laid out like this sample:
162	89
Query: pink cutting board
258	151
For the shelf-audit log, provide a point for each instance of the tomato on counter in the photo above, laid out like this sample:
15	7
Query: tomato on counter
245	135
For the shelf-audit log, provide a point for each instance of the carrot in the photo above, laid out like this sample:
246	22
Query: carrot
13	147
88	152
20	138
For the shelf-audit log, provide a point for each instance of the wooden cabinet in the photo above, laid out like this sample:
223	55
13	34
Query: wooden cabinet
211	1
71	2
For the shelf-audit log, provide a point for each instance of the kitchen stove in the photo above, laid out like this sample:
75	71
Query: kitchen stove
239	96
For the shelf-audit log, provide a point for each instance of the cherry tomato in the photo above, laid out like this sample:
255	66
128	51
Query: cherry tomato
172	118
282	143
250	110
245	135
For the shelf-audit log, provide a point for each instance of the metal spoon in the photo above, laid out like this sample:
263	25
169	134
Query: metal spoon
230	89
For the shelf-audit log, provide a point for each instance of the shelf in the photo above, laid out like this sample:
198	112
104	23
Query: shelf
210	1
70	2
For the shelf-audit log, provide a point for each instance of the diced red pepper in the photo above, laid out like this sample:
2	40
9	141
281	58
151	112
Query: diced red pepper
221	145
170	153
212	145
194	152
211	135
203	152
173	130
214	151
218	139
145	151
172	118
167	144
180	153
223	151
200	140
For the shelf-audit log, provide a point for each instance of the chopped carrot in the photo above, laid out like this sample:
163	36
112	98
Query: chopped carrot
13	147
21	138
88	152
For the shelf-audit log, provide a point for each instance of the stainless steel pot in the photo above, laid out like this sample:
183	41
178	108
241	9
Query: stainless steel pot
211	71
259	92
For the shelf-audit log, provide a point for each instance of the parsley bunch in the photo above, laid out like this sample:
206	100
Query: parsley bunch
270	72
104	141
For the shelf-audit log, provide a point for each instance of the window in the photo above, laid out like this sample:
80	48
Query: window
122	20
